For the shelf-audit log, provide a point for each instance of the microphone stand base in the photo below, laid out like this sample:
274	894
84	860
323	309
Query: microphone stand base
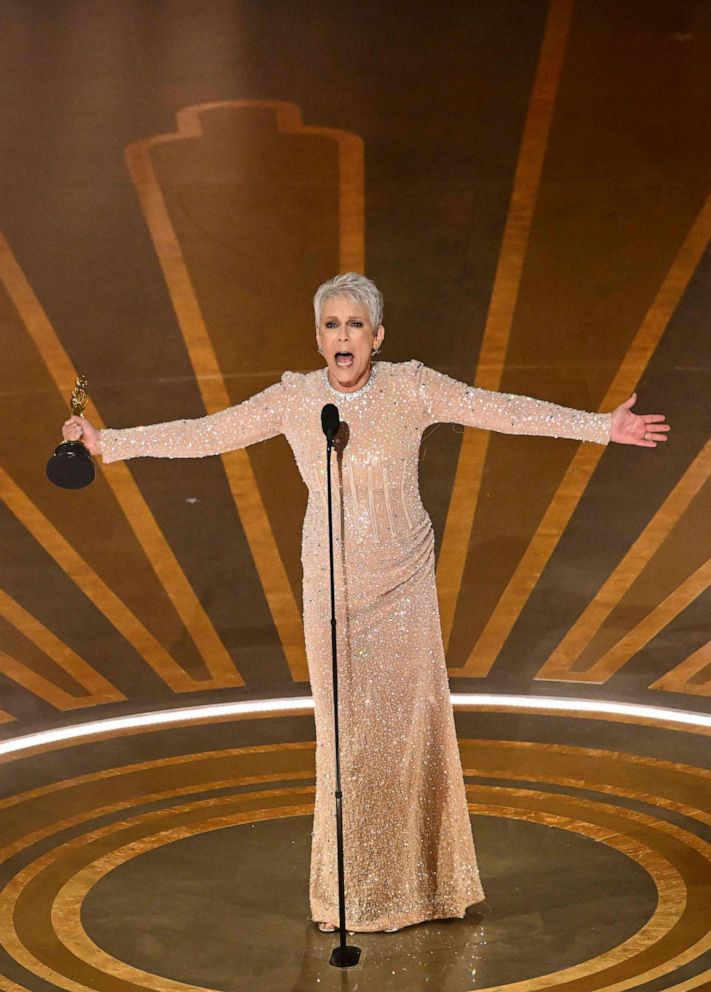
344	957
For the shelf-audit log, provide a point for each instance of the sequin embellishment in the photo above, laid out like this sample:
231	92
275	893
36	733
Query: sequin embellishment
356	394
409	849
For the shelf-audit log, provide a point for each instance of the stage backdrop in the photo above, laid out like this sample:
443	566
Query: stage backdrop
529	185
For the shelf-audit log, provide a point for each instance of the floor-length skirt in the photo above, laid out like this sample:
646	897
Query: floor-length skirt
409	852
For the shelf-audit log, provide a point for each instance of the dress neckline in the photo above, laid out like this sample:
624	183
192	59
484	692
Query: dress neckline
356	393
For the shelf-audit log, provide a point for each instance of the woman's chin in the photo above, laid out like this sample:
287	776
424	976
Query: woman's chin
346	376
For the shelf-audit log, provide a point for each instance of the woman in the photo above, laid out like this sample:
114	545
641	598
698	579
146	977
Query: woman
407	836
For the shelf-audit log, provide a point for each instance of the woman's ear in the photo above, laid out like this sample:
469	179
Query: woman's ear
379	335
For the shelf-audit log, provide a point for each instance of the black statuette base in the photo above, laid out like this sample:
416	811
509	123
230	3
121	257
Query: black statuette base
71	466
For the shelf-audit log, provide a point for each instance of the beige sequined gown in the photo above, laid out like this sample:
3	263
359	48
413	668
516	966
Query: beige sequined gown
408	841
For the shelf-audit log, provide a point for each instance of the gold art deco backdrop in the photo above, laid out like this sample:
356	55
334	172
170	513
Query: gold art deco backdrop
534	204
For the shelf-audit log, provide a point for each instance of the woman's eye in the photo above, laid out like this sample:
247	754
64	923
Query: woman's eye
357	323
330	323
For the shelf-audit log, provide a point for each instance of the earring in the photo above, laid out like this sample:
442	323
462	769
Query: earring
375	350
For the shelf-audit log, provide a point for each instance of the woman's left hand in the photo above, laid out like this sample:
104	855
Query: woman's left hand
632	428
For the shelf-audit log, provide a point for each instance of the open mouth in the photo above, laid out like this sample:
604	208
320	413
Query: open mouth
344	359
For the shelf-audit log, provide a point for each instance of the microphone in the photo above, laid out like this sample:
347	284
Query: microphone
330	421
344	955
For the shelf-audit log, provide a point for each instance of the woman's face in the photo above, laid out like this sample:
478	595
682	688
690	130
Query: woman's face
346	337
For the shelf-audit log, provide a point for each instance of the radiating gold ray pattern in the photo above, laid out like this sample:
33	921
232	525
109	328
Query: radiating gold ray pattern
135	508
683	677
677	601
561	662
492	358
43	688
571	489
98	688
241	478
93	586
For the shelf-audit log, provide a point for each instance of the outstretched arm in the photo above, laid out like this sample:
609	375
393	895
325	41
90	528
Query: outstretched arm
256	419
447	400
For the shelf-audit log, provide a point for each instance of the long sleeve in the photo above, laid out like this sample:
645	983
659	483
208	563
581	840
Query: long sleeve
256	419
446	400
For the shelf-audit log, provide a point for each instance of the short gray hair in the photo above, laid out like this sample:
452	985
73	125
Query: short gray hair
357	287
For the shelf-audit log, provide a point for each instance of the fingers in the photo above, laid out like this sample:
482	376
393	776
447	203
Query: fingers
650	438
657	433
72	429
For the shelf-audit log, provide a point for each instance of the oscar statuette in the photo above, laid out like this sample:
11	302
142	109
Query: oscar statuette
71	466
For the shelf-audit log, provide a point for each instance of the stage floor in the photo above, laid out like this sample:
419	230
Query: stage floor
179	857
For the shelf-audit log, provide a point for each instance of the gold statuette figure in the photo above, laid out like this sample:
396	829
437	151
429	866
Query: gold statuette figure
71	466
79	398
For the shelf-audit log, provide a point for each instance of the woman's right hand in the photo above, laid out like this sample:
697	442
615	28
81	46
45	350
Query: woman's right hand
79	429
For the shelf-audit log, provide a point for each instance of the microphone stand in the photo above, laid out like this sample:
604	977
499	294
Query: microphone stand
343	956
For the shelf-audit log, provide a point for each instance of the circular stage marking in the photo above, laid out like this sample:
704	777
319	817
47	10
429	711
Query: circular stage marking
132	723
51	888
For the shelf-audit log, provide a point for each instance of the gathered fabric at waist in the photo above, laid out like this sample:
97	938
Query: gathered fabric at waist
383	562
